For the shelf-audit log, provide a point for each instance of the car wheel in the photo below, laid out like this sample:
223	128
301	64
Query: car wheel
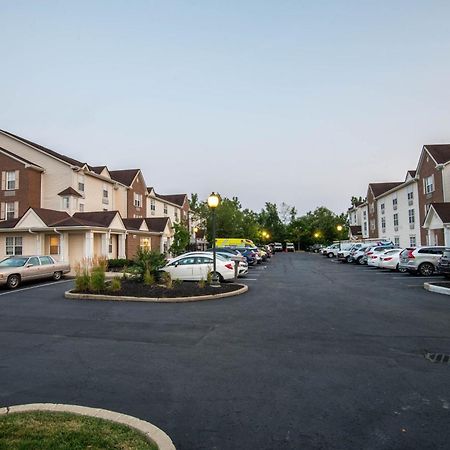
426	269
330	255
401	269
57	276
360	261
219	275
13	281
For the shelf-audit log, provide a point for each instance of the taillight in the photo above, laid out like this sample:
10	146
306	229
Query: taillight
368	254
374	257
229	266
387	259
410	254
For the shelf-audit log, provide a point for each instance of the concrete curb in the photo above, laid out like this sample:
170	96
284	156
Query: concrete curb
437	289
150	431
197	298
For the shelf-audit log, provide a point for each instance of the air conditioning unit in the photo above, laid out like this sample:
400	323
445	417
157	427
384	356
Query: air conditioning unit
411	226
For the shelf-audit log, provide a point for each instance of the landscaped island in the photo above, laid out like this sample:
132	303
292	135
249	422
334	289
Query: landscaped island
65	431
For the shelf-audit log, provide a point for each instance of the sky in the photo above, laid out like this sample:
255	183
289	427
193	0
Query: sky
302	102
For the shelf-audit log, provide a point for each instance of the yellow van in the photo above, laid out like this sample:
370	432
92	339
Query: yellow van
234	242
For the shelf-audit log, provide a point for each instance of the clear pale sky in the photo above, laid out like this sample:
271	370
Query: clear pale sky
297	101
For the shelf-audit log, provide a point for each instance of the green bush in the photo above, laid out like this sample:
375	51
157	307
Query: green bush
98	280
82	281
118	264
147	261
149	279
166	279
115	285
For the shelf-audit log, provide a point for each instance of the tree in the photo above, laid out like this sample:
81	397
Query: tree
180	239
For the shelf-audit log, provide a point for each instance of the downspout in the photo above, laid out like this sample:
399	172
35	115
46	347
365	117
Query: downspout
60	238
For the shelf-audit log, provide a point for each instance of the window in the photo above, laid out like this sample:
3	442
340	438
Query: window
13	245
382	208
396	220
11	180
110	245
410	195
383	224
176	216
137	200
54	245
365	227
105	199
397	240
81	207
46	260
66	202
411	216
145	243
165	209
81	183
34	261
10	211
394	203
152	206
428	184
364	214
412	241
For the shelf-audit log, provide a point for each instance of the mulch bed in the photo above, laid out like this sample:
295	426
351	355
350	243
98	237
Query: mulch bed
186	289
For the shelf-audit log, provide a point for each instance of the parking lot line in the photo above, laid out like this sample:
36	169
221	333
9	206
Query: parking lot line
250	279
34	287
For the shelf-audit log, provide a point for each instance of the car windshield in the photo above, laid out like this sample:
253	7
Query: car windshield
13	262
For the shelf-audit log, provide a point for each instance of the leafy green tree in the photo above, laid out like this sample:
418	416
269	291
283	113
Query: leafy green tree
180	239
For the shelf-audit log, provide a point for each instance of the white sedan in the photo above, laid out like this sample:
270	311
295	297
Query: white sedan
196	267
390	259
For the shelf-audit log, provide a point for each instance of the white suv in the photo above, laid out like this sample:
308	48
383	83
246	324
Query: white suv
421	260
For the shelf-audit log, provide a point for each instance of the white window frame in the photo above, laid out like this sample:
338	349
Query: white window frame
10	178
396	220
412	240
411	216
382	208
383	224
12	244
81	207
428	184
81	184
66	202
166	209
137	200
54	249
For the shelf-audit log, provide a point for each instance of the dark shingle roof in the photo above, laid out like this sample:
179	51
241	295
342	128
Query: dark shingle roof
64	158
380	188
440	152
98	218
125	176
443	211
157	224
412	173
49	216
23	160
177	199
133	224
355	230
97	169
8	223
70	191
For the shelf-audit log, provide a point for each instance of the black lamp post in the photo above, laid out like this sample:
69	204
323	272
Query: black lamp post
213	203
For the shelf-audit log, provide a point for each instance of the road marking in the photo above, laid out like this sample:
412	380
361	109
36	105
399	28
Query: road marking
35	287
250	279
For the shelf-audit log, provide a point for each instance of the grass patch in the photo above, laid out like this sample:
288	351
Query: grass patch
65	431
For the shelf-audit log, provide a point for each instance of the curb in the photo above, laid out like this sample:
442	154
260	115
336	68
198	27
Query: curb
150	431
437	289
197	298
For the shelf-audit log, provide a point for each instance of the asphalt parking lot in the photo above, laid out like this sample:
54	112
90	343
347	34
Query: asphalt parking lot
317	355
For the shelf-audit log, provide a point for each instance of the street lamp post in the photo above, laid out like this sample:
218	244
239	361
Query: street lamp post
339	228
213	203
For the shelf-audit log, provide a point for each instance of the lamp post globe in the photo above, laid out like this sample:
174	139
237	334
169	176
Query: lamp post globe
213	203
339	228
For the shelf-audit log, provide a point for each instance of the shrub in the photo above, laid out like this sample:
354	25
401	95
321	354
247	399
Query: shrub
118	264
147	261
115	285
82	280
149	279
177	282
98	281
202	283
166	279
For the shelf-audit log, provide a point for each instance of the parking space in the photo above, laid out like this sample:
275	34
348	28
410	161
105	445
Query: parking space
314	355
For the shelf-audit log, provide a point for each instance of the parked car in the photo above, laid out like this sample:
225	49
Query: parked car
290	247
278	247
198	267
331	251
444	263
375	258
357	255
15	269
315	248
243	265
374	251
250	255
245	252
390	260
421	260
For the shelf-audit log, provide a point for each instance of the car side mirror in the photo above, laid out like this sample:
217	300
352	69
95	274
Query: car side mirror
29	265
175	264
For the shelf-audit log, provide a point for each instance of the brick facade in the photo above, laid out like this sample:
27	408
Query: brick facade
138	187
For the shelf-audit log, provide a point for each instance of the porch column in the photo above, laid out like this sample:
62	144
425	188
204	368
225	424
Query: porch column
63	247
161	244
121	245
39	245
89	244
447	235
105	245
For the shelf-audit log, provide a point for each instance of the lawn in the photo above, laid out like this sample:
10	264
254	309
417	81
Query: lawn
64	431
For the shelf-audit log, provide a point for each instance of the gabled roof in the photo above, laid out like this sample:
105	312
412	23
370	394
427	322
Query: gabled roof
439	152
412	173
19	158
125	176
97	169
380	188
134	224
70	191
49	216
150	189
443	211
100	218
355	230
66	159
157	224
11	223
177	199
